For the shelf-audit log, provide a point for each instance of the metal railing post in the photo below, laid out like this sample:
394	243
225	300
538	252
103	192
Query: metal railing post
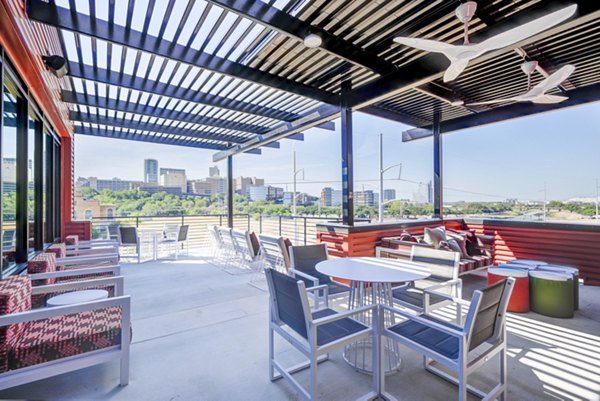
280	226
137	221
248	222
304	230
260	223
220	220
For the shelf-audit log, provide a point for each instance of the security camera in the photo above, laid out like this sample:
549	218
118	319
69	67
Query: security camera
56	64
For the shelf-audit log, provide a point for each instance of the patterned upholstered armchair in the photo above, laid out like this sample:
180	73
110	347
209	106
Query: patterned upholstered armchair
43	269
36	344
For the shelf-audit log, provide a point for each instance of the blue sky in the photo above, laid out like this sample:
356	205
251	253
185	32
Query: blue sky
513	159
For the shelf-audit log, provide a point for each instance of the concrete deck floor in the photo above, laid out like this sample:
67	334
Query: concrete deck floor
201	334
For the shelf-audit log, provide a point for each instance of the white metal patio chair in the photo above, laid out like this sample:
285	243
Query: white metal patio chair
313	333
452	345
229	250
248	254
304	259
128	238
178	240
422	295
217	248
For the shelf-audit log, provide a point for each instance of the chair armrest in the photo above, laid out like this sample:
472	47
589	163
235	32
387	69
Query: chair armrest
456	284
427	322
45	313
118	282
293	272
343	315
325	289
87	259
115	270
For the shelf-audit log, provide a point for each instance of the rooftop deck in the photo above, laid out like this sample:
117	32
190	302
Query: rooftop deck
201	333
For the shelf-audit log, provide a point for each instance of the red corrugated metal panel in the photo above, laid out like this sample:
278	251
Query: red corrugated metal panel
580	249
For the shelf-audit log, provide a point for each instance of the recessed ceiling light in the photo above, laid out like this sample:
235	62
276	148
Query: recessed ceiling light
312	40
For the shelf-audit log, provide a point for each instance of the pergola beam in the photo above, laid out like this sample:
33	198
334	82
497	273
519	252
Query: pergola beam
586	94
153	127
48	13
309	119
155	111
100	75
134	136
297	29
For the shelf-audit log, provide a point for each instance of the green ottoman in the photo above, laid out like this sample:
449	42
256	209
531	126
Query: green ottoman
551	293
567	270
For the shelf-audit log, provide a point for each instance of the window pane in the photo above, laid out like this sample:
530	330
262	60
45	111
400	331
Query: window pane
9	176
44	186
30	182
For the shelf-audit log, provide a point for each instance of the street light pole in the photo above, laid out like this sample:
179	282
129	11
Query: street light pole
381	172
597	199
294	198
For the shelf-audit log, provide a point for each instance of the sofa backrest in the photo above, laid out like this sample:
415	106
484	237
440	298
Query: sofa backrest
15	296
44	262
444	265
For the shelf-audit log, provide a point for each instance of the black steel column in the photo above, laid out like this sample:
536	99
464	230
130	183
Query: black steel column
22	224
230	191
1	175
438	182
38	185
49	147
347	162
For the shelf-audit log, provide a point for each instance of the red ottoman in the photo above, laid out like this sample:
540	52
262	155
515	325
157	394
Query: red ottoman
519	300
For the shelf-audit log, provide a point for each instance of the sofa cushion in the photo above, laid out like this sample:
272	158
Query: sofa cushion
60	250
72	240
471	240
42	263
434	236
15	296
63	336
461	243
255	244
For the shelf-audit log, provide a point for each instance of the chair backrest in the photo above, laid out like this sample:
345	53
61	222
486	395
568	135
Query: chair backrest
128	236
271	248
225	234
289	303
113	232
183	233
487	314
171	231
214	234
444	265
241	240
304	258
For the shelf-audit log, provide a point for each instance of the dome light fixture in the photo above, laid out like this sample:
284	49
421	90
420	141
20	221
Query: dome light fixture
312	40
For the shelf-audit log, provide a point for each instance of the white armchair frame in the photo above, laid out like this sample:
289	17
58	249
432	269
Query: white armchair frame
464	365
56	367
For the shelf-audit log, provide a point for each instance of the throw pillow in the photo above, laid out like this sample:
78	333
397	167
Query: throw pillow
454	246
433	236
461	241
405	236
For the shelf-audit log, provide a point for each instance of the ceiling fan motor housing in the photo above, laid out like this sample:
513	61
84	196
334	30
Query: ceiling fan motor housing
466	11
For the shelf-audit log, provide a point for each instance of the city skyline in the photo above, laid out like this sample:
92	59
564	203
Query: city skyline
508	160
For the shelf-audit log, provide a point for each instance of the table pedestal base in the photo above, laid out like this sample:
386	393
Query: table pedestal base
360	354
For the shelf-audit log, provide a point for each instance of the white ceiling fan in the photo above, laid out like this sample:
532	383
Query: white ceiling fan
537	94
461	55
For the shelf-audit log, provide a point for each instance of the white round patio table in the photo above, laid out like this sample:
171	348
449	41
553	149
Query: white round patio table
77	297
371	281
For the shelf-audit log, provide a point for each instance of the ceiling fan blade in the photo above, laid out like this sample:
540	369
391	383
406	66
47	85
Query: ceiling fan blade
425	44
526	30
552	80
493	102
549	99
456	67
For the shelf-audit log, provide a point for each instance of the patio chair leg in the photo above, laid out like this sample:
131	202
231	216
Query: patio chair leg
503	374
313	377
124	378
462	386
271	356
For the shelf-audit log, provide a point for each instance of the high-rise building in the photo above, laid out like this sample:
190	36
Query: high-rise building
257	193
365	198
213	171
331	197
389	195
151	171
430	192
241	184
170	177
